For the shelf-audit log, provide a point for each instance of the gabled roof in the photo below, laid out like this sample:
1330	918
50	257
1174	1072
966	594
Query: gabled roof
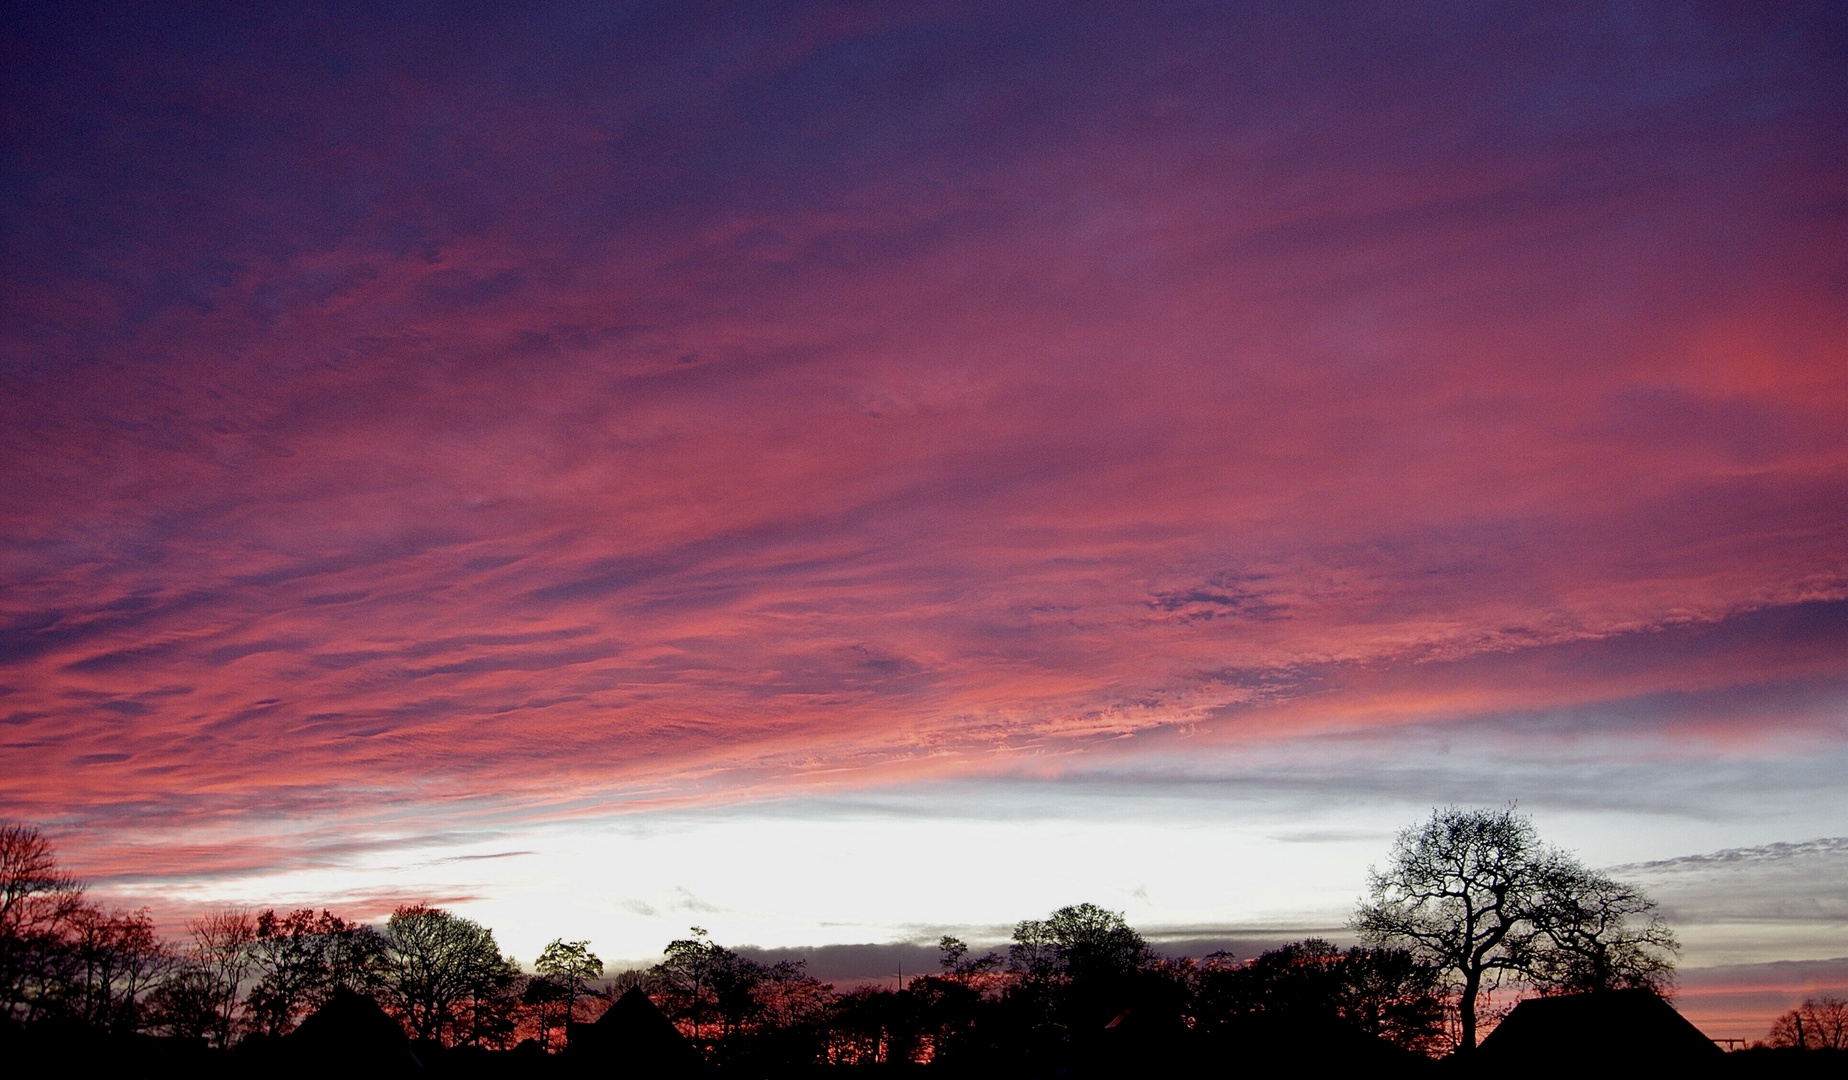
1614	1025
351	1030
639	1035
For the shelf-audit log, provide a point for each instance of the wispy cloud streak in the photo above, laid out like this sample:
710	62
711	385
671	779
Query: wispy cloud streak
549	410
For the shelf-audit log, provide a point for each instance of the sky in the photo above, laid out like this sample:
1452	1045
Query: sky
838	474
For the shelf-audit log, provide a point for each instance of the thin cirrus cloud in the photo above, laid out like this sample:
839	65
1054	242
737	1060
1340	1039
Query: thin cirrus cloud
563	411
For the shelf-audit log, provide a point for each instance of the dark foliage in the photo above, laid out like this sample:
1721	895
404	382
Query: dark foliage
1078	993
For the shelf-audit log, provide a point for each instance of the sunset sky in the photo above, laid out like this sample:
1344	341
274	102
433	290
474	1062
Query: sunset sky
847	473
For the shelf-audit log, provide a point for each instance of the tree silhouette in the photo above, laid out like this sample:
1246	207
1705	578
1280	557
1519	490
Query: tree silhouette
1470	893
949	1007
1820	1023
1094	944
220	956
489	1015
1386	993
435	962
748	1015
547	1000
565	969
37	900
1033	956
117	958
981	973
702	980
1071	973
187	1003
686	974
572	965
1392	994
1601	934
1478	894
1077	943
301	958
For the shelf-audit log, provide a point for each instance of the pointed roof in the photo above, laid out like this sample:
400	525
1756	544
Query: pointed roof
636	1033
1583	1029
353	1032
635	1008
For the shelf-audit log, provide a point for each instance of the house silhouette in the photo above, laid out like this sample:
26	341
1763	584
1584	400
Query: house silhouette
633	1039
349	1036
1596	1032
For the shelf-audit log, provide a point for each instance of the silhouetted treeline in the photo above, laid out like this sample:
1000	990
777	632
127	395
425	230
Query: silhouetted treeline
1075	992
1072	990
1079	992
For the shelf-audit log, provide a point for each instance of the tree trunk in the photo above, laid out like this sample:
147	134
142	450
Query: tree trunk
1466	1011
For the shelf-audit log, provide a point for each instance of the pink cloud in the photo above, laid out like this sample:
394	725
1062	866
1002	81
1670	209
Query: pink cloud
448	437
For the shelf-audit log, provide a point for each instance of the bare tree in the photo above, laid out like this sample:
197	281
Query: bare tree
788	996
186	1003
979	973
1477	893
355	958
37	900
1818	1024
437	961
489	1014
301	958
1033	955
1460	890
118	959
221	955
1601	934
33	888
